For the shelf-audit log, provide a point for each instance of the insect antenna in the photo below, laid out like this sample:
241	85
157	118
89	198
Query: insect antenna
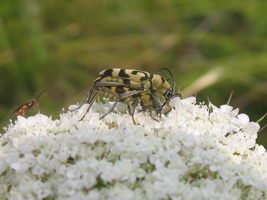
41	93
170	92
172	78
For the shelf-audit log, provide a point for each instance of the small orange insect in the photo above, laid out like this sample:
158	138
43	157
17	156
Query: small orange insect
23	109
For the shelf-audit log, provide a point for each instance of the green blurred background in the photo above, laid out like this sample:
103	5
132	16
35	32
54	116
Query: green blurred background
212	47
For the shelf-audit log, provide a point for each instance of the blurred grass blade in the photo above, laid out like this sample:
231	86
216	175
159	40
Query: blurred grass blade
203	82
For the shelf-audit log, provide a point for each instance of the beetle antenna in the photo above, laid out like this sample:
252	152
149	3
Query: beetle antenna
169	71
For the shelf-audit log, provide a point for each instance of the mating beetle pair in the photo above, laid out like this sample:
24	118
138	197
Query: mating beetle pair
133	88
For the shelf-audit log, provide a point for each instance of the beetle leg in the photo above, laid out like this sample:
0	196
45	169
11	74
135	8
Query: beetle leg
151	110
90	104
88	98
116	101
132	108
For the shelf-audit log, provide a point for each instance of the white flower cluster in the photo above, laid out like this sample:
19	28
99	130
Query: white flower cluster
195	152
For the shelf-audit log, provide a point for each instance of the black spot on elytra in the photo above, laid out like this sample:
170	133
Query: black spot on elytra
108	72
143	78
134	72
123	74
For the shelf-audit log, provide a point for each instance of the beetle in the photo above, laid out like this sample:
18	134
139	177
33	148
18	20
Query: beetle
23	109
132	87
139	80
